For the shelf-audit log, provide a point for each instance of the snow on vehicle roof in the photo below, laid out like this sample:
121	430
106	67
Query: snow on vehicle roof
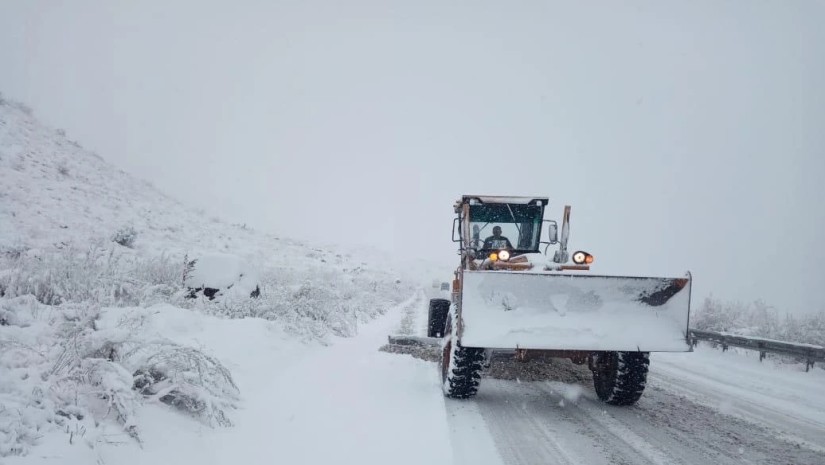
503	199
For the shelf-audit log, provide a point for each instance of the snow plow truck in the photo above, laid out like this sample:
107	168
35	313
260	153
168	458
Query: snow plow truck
509	297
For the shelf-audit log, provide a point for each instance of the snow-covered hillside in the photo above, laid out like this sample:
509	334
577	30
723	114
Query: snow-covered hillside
62	204
94	315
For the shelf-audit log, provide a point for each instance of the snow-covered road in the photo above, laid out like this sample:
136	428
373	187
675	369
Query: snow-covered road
702	407
538	423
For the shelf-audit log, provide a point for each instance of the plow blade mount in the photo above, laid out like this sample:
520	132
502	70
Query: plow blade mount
507	310
421	341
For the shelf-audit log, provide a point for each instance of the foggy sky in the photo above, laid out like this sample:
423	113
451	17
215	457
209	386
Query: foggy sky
685	136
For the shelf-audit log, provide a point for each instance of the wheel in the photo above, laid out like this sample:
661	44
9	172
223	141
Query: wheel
620	377
460	366
437	317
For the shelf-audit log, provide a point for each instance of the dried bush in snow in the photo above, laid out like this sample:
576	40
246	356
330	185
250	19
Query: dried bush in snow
97	275
125	236
315	301
102	388
186	379
62	169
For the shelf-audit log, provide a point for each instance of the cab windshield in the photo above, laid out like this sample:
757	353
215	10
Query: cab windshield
520	227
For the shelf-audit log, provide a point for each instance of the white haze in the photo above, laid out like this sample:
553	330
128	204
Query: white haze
686	135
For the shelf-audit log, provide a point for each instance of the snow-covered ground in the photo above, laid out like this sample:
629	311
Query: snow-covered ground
347	403
350	403
103	359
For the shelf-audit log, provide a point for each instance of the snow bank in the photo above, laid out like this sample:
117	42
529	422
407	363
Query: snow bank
218	271
228	274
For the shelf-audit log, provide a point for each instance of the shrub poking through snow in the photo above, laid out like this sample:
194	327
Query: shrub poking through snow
103	276
188	380
125	236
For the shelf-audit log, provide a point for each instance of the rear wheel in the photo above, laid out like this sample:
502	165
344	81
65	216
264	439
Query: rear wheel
620	377
437	317
460	366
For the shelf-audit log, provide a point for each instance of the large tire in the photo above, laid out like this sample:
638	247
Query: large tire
460	366
620	377
437	317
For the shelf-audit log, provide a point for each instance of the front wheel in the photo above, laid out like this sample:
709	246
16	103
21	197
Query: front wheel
620	377
460	366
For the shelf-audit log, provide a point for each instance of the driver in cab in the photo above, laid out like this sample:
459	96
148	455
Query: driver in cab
497	241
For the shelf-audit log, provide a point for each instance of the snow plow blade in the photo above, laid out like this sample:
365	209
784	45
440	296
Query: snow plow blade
549	311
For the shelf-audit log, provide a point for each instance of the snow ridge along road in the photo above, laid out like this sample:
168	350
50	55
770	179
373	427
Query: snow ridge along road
350	403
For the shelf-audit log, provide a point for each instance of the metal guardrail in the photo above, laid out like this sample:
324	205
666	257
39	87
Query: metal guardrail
810	353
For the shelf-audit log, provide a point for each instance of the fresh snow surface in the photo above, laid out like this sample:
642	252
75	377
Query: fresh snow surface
218	270
226	272
302	403
349	403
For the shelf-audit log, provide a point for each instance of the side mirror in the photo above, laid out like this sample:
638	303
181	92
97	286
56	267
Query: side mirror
456	230
552	232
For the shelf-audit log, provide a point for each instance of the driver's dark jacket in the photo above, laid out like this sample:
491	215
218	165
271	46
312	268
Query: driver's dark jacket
499	242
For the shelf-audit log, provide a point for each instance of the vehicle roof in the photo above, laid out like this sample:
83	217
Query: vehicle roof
502	199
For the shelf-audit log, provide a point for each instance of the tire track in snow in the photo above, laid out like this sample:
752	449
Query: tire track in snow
654	436
533	423
746	405
668	428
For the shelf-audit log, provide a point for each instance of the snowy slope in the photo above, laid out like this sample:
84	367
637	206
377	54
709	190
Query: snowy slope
59	201
55	193
82	318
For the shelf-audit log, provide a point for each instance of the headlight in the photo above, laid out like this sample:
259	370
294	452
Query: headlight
503	255
493	257
582	258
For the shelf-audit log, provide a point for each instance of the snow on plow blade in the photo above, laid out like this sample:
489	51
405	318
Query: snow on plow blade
574	312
